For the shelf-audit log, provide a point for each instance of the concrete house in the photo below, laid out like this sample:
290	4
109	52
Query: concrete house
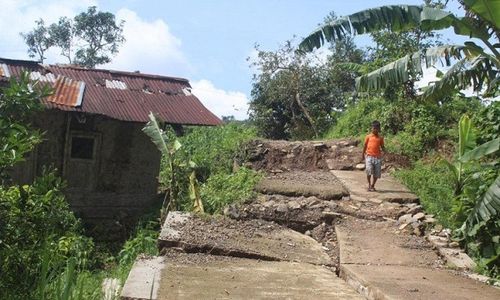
93	136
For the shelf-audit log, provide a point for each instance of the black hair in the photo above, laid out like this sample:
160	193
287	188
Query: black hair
376	124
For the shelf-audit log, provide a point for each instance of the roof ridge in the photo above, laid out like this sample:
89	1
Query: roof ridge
126	73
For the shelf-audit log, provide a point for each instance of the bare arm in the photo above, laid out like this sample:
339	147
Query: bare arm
364	150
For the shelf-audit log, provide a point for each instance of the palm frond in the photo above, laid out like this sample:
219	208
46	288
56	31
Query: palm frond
481	150
392	17
477	74
396	72
486	9
487	208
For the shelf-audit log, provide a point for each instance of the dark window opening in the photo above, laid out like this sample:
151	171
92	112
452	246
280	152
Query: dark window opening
82	147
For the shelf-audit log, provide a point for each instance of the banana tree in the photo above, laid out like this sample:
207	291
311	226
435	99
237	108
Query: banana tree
467	152
169	147
488	206
474	65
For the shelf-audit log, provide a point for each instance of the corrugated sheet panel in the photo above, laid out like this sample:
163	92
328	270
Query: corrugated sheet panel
67	92
126	96
4	70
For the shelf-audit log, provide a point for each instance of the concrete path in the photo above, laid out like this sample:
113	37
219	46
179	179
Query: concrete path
388	189
381	264
215	257
200	276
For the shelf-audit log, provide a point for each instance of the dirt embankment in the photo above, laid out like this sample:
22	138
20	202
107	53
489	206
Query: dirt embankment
342	154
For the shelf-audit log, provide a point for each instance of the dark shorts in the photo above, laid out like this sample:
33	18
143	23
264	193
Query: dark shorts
373	166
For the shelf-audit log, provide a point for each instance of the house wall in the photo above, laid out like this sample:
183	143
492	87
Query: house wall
111	190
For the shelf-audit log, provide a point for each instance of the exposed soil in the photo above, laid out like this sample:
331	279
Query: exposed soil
342	154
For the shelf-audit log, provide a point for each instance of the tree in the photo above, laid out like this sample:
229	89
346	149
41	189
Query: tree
91	38
38	40
474	65
18	101
290	95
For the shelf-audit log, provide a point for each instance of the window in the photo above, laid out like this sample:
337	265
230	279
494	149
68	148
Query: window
82	147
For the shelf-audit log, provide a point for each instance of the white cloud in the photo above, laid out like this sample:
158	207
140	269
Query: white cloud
221	102
150	47
20	16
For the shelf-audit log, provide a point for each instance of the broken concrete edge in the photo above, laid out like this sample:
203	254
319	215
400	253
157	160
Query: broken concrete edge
360	285
173	217
143	281
458	259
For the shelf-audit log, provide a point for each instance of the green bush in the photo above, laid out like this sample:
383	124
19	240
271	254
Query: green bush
142	241
356	120
34	219
222	189
213	148
431	182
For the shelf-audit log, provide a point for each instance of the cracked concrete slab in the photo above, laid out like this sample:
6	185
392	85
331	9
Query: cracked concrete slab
407	282
375	243
202	276
380	264
256	239
388	189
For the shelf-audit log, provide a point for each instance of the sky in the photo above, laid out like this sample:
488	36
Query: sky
205	41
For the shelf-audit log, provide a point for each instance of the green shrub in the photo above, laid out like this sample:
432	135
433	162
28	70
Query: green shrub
431	182
356	119
34	219
222	189
142	241
213	148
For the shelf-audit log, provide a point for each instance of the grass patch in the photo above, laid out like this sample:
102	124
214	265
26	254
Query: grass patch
433	185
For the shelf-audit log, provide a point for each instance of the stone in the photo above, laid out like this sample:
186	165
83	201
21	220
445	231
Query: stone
438	241
416	224
360	167
308	233
231	212
405	219
445	233
269	203
331	164
294	205
282	208
319	145
415	209
419	216
438	227
403	226
375	200
418	231
454	245
429	220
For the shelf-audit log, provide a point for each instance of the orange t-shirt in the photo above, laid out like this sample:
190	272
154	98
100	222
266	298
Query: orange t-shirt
373	143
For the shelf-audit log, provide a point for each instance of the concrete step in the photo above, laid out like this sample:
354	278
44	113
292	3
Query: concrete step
256	239
320	184
388	188
204	276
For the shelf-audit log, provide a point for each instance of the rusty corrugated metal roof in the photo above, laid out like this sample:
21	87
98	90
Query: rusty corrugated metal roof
67	92
127	96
